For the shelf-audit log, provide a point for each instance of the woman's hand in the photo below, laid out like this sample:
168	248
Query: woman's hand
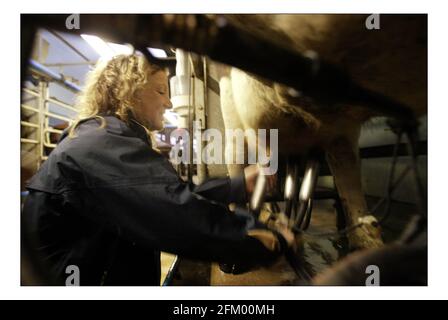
287	234
280	224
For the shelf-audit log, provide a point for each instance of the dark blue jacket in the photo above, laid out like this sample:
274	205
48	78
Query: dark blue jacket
107	203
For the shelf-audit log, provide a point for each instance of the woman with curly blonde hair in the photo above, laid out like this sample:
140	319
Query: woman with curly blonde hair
107	203
116	87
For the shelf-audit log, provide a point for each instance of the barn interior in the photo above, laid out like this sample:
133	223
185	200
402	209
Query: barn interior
55	61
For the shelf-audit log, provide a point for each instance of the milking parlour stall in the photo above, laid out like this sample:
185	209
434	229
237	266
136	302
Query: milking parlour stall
293	151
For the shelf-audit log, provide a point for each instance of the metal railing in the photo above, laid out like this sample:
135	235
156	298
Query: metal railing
40	130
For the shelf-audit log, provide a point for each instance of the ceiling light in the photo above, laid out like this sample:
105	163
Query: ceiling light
158	53
106	50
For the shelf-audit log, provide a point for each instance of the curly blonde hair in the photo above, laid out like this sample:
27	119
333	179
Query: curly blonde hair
111	89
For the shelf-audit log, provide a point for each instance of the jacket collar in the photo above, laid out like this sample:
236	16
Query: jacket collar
140	130
116	126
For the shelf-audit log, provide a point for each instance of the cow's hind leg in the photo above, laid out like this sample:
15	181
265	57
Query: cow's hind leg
344	162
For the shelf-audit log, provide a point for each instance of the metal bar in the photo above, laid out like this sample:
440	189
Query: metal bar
24	140
69	64
31	92
291	182
29	108
43	89
202	114
50	145
191	114
47	142
29	124
52	130
62	104
59	78
306	191
307	219
28	99
56	116
258	195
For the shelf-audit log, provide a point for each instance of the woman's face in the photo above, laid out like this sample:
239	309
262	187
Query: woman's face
154	99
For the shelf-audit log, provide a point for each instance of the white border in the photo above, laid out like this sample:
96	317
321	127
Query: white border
9	212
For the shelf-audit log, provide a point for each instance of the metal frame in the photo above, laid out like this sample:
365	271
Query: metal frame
44	76
44	115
